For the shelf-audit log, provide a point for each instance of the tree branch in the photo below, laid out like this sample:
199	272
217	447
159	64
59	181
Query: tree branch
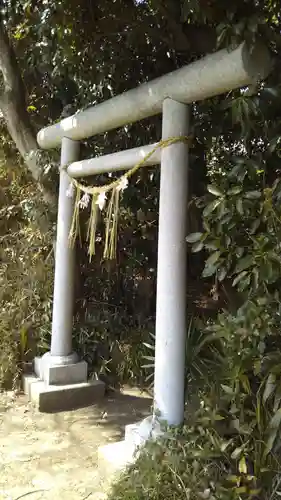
9	66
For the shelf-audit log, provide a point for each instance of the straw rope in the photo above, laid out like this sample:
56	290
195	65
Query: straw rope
97	198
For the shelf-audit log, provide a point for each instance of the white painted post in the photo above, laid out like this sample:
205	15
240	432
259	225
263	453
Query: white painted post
61	342
171	275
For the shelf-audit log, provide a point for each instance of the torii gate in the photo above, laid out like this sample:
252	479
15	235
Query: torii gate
61	377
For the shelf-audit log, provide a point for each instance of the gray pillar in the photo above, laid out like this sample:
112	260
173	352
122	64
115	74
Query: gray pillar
171	274
61	342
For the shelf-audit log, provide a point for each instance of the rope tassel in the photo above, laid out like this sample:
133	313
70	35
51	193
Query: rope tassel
110	245
75	225
92	227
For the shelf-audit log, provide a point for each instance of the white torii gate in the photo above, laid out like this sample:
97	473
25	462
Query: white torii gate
63	378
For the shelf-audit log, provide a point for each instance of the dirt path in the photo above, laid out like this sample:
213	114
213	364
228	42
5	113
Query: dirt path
54	456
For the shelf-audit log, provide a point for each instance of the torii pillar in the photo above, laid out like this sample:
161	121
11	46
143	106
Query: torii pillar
171	323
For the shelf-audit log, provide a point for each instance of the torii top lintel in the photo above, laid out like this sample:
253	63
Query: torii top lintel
212	75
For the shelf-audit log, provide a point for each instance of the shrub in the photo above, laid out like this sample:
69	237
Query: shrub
229	447
26	275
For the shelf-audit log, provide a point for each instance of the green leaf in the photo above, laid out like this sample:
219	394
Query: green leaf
239	277
272	431
233	479
240	490
256	276
149	377
276	420
244	263
240	251
258	412
273	143
218	418
234	190
209	270
194	237
197	247
265	270
211	207
242	466
206	225
213	258
31	108
254	492
149	358
18	35
222	272
239	206
235	170
227	389
213	245
277	399
244	283
253	195
275	257
269	387
245	383
149	346
272	91
255	225
237	452
214	190
23	340
223	210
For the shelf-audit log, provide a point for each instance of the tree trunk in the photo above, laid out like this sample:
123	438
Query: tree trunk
19	129
13	107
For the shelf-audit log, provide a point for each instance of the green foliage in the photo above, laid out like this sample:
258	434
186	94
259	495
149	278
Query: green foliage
111	346
242	229
201	354
26	274
229	446
198	462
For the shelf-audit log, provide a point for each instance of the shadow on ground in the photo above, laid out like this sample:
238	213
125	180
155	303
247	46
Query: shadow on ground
118	410
54	456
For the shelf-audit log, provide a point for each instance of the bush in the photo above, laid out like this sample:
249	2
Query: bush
229	446
26	276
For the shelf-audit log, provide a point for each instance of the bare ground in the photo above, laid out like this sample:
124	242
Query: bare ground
54	456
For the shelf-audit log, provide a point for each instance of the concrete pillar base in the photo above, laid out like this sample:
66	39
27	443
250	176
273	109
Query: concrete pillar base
57	370
55	398
123	453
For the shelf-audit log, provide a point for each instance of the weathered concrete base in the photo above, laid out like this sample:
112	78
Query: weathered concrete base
56	374
117	456
55	398
123	453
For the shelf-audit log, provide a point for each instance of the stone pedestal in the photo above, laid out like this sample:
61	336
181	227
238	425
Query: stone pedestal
55	398
123	453
60	383
53	371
